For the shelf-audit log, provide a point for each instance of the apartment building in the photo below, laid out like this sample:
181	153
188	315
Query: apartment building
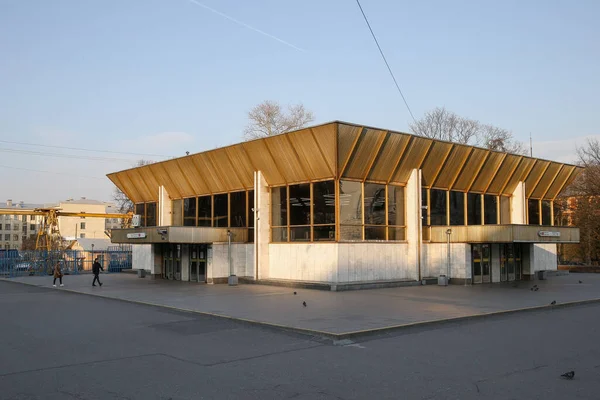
14	229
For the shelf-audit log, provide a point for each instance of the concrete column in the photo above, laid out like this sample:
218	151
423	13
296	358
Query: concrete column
185	262
262	225
495	262
413	222
156	260
518	205
165	207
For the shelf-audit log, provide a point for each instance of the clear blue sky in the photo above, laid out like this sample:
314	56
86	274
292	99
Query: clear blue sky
166	76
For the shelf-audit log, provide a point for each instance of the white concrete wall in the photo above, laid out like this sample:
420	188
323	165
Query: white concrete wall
518	205
361	262
495	262
142	257
165	207
435	260
242	258
262	225
185	262
413	225
311	262
544	257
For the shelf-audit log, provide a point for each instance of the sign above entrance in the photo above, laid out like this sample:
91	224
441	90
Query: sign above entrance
138	235
549	234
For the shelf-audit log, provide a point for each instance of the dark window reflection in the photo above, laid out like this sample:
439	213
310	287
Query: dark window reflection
220	210
457	208
324	203
150	214
251	208
189	212
437	200
490	209
473	209
238	209
204	211
534	211
300	204
546	212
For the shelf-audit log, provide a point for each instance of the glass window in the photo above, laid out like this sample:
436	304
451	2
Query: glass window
490	209
437	205
546	212
279	206
151	214
300	233
374	204
457	208
424	205
221	207
205	211
177	212
324	233
396	233
32	227
473	209
238	209
396	205
324	203
351	232
504	210
251	209
189	212
374	232
140	209
82	225
350	203
300	204
534	212
279	234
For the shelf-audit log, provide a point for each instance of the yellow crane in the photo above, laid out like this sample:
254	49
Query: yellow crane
48	236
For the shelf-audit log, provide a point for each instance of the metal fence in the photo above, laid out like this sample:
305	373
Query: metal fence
72	262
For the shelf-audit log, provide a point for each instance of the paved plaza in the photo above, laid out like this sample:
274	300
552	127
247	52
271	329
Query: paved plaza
335	312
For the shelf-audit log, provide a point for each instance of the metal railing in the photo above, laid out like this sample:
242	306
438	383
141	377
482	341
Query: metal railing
72	262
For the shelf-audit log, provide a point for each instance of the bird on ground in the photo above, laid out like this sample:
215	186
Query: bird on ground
568	375
553	302
304	303
295	293
536	289
580	282
532	289
535	285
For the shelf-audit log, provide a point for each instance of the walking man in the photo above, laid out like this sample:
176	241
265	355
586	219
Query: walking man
96	267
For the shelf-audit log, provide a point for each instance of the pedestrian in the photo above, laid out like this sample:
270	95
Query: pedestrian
57	274
96	267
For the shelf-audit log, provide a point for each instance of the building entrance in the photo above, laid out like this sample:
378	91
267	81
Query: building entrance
481	264
172	261
198	262
510	262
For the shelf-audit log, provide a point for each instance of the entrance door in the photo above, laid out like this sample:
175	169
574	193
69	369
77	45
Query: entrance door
172	262
198	263
510	262
481	263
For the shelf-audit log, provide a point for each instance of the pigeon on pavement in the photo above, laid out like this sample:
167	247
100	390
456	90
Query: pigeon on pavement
304	303
295	293
553	302
580	282
536	289
568	375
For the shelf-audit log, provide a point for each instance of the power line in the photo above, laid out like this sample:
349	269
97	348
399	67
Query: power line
385	60
82	149
51	172
71	156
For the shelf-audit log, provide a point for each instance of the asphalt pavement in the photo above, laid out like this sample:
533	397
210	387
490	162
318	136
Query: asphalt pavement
62	345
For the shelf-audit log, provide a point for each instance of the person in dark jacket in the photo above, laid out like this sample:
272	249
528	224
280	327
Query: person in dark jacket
96	267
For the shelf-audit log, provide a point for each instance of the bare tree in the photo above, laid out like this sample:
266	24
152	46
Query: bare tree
268	119
122	202
442	124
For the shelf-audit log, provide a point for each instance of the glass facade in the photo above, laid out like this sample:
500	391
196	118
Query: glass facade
351	211
221	210
205	211
189	211
546	212
533	212
504	210
323	202
490	209
177	212
237	208
147	212
473	209
437	207
457	208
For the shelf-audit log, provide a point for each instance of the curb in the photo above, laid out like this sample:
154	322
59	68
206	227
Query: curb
347	335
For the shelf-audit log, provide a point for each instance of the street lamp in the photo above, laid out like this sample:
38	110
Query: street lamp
233	279
92	252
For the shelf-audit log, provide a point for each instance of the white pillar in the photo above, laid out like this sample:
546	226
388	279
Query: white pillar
413	222
518	205
165	207
262	225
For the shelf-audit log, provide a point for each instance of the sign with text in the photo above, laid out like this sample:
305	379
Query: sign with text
138	235
548	234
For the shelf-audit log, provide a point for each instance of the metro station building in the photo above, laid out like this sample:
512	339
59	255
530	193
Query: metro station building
343	204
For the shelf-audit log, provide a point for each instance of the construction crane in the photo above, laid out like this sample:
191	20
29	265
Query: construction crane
48	236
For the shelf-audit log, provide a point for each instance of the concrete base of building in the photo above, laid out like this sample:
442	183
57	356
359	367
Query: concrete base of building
329	286
232	280
460	281
156	276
